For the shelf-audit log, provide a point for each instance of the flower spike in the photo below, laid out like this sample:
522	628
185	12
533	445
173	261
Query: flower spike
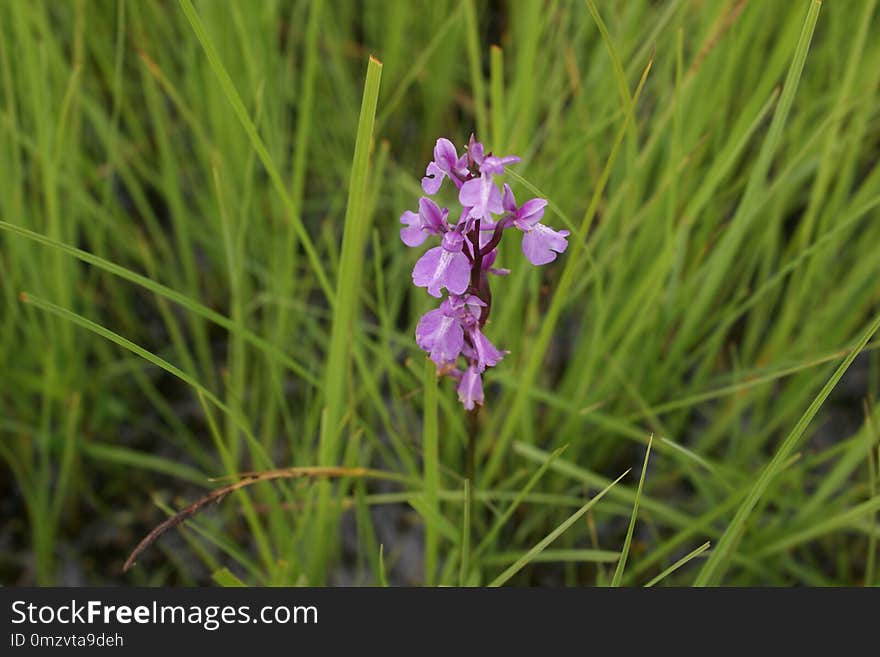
468	250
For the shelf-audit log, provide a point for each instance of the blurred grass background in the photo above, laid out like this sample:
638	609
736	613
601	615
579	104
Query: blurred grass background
200	275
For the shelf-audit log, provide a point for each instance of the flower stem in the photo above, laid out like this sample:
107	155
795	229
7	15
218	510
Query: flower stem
479	281
477	262
496	237
473	430
470	464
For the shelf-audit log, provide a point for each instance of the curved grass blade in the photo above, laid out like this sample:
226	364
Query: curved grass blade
552	536
514	505
678	564
224	577
624	553
250	479
557	556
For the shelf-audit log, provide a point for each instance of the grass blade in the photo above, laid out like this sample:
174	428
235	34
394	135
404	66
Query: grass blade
514	505
624	553
523	561
348	288
464	572
678	564
431	461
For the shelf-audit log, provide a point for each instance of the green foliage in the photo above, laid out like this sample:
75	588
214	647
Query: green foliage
200	276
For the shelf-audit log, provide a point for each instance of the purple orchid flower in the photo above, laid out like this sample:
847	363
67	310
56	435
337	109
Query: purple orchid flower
540	243
470	388
446	163
484	353
442	332
444	266
481	194
482	197
466	256
441	335
430	220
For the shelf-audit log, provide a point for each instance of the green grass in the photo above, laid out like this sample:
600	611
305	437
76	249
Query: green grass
200	276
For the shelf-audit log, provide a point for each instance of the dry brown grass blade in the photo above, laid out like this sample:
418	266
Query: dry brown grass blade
248	479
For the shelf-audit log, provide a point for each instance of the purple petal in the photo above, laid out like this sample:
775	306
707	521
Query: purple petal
440	335
427	328
531	212
469	194
486	188
426	267
433	178
433	219
494	205
445	155
412	234
492	165
458	273
440	268
473	308
465	307
467	352
482	196
507	200
459	171
452	304
453	241
475	150
487	354
542	243
470	389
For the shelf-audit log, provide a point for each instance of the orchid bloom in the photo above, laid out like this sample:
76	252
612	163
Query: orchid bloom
454	331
